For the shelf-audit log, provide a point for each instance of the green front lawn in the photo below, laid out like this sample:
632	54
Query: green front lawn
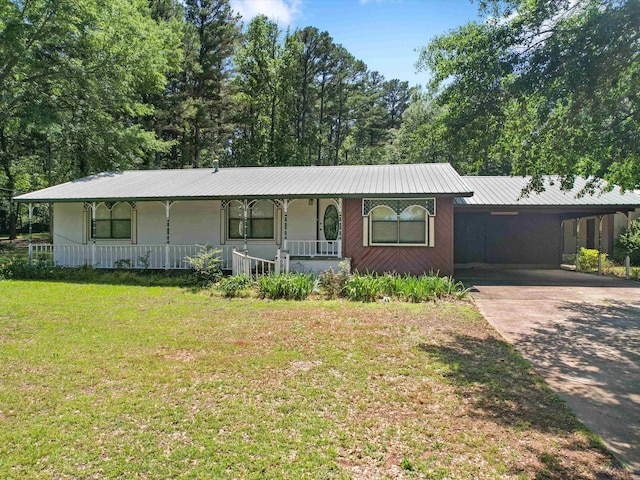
160	382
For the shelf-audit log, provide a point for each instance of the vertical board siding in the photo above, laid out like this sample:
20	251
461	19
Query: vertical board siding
413	260
523	239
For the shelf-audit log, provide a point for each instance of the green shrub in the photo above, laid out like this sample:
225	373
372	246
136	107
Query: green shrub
588	259
292	286
332	283
11	268
6	268
232	286
628	243
206	265
20	269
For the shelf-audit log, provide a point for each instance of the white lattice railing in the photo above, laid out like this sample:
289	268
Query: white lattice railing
313	248
124	256
245	264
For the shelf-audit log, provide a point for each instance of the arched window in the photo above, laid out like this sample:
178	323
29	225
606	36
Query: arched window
409	227
384	225
412	225
260	220
113	222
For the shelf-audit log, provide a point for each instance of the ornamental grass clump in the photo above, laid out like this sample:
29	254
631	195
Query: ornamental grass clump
291	286
364	288
408	288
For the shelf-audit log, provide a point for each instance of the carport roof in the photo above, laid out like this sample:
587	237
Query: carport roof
496	191
407	180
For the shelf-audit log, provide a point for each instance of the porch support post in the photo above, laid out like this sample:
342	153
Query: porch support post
339	228
94	207
627	259
30	234
600	218
167	207
577	241
245	216
285	208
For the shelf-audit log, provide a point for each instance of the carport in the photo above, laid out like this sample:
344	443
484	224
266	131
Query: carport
500	226
581	332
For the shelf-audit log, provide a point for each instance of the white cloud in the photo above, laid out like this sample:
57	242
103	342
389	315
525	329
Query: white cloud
281	11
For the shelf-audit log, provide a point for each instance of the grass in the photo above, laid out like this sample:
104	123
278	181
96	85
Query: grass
163	382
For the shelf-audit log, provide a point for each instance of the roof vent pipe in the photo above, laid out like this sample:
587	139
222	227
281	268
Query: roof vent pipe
216	165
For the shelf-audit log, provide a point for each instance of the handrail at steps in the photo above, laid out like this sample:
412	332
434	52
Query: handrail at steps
245	264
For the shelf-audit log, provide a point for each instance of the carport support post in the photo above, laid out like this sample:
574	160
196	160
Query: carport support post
600	218
627	259
167	207
30	233
577	241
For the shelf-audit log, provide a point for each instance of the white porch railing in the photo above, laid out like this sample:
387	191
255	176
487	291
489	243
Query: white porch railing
313	248
245	264
124	256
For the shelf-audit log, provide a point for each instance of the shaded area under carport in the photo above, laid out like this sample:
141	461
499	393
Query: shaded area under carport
582	333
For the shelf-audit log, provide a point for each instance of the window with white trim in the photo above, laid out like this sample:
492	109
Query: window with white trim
260	220
114	222
398	222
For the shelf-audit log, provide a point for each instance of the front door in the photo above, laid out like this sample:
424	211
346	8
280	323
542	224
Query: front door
328	226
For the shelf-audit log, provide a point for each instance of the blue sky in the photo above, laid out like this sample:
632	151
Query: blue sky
383	33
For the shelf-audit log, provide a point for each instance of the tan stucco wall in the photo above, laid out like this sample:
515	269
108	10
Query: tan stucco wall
569	236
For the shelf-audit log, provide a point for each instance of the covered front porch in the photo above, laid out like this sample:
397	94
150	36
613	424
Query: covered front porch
162	234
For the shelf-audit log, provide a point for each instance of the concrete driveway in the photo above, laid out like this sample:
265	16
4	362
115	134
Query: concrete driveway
582	333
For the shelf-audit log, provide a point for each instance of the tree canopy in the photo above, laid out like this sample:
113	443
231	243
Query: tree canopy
542	87
535	87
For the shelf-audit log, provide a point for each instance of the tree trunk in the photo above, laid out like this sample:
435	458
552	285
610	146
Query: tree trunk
49	184
321	120
11	184
196	147
272	133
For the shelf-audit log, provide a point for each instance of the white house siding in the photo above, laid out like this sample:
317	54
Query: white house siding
151	223
195	222
302	220
68	228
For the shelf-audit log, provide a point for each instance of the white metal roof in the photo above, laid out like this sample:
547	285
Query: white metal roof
507	192
252	182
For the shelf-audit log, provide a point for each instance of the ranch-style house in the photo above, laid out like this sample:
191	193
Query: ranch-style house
409	218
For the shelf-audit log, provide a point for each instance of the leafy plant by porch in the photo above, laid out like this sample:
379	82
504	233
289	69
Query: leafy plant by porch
122	381
628	243
588	260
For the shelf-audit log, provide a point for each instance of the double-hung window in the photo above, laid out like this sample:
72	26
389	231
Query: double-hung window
398	222
260	220
113	223
410	227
